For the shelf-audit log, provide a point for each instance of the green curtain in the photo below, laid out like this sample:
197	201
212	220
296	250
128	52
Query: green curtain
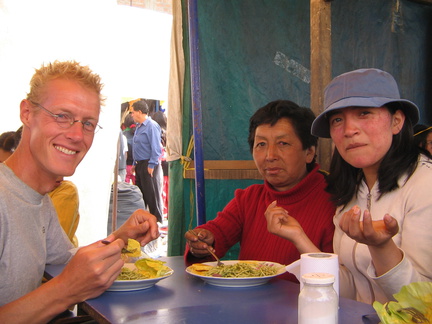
256	51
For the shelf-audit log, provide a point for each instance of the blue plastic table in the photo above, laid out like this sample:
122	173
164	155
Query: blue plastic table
183	298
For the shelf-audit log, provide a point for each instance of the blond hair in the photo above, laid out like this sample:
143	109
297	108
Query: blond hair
70	70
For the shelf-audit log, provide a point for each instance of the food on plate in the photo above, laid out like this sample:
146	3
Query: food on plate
144	269
414	305
154	268
245	269
200	268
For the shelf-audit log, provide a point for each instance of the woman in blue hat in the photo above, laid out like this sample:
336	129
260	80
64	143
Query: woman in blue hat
381	184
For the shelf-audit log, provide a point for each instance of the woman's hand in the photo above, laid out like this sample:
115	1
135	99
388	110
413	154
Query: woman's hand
280	223
377	235
372	233
199	241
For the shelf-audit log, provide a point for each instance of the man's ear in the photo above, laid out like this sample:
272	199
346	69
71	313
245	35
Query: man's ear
25	111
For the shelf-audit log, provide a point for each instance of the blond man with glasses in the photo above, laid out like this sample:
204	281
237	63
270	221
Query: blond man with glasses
60	117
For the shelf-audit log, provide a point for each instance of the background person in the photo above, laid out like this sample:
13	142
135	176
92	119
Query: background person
128	132
129	199
7	145
147	152
123	153
293	193
381	184
60	116
160	118
66	203
423	137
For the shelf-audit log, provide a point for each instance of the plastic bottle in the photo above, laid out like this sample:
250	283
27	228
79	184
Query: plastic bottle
318	302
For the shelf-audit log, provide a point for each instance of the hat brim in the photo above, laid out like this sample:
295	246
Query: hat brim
320	126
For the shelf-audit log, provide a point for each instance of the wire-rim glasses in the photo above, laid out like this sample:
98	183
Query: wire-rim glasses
65	120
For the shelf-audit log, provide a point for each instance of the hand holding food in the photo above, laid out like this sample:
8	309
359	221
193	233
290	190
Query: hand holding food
367	231
141	226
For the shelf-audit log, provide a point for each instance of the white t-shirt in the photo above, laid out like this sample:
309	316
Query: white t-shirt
30	237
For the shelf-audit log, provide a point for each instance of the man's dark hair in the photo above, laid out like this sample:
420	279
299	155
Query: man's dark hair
141	106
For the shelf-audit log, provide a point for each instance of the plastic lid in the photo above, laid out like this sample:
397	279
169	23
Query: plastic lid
318	278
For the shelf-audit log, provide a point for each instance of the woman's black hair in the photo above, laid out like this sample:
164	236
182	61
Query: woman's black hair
301	119
401	158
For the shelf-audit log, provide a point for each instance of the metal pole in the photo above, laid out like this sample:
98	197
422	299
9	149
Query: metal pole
115	188
196	110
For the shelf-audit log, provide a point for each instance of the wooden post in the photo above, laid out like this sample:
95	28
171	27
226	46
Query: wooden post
321	69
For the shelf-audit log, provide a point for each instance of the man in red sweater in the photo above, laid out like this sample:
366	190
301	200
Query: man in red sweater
290	213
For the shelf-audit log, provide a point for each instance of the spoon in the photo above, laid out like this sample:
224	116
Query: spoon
219	263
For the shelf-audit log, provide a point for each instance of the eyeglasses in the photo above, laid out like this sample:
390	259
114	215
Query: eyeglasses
65	120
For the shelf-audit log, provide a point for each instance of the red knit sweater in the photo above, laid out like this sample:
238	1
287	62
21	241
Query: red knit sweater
242	220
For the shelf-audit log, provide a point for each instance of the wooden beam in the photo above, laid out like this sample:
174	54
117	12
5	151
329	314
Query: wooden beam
233	169
321	67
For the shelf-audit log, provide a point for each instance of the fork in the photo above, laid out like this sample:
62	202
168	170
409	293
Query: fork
122	251
219	263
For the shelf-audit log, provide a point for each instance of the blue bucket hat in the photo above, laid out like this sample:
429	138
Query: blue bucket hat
361	88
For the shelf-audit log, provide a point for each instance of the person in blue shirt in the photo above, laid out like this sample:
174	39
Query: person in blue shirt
147	151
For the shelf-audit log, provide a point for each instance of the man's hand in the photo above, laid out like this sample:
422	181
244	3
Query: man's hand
91	271
88	274
141	226
150	171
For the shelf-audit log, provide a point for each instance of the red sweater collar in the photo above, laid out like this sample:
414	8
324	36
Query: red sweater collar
300	191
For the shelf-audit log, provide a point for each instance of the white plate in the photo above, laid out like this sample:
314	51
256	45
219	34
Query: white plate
238	282
131	285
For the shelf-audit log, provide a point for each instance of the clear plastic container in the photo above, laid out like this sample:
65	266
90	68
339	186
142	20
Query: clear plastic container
318	302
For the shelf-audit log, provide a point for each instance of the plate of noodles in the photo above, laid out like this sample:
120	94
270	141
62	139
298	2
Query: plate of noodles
142	274
236	273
